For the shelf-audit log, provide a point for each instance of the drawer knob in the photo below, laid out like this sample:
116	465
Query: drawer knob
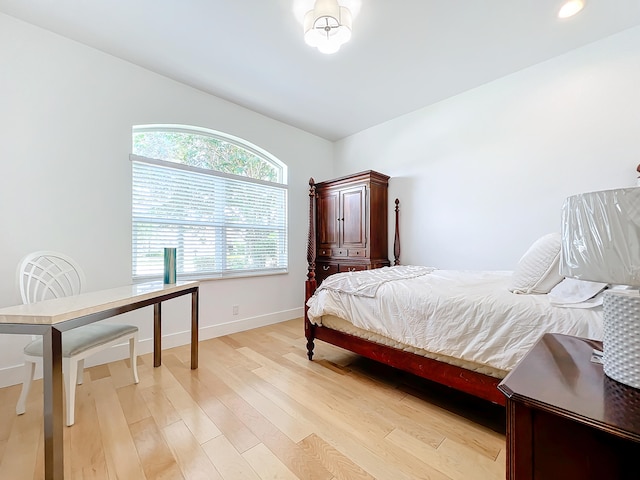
325	267
352	269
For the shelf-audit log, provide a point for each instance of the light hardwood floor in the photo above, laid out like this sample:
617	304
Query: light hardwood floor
258	409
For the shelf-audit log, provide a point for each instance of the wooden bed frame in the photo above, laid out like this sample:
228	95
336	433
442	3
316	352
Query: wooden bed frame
477	384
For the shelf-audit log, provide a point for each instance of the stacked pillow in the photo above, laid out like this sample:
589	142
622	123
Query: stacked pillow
538	271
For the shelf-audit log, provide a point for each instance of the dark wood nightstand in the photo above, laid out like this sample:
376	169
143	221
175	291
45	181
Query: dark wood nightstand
566	419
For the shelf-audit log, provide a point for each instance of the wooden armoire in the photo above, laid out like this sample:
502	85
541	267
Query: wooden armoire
351	223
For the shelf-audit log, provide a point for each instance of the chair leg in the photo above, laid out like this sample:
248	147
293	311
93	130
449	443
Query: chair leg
70	374
133	346
29	370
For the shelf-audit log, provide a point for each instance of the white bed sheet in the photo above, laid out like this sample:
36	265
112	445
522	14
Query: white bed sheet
470	315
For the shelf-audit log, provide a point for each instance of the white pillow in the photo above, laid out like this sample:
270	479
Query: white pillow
538	271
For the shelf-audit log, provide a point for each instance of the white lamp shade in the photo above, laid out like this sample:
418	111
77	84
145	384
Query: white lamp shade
601	237
601	243
327	26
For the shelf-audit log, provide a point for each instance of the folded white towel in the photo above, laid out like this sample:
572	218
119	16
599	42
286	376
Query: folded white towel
574	293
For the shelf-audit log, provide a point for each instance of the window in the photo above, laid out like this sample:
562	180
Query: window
219	200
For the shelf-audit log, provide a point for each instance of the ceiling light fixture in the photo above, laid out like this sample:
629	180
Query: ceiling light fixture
570	8
327	26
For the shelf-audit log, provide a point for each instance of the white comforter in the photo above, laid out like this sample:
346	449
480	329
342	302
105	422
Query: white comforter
469	315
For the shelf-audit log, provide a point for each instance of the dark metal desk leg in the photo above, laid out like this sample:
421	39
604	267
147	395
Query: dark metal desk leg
157	335
194	329
53	411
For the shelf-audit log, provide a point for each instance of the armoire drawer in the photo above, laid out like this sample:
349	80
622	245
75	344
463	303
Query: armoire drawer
326	269
351	268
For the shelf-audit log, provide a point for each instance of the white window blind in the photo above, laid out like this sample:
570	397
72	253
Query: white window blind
221	224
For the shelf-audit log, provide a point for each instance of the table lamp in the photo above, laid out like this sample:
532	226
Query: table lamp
601	243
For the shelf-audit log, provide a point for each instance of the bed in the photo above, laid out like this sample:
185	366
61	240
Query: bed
462	329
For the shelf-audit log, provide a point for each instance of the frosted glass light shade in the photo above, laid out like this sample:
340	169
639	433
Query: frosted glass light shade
570	8
328	26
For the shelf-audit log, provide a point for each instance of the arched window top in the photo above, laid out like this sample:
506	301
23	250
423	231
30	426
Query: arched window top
204	148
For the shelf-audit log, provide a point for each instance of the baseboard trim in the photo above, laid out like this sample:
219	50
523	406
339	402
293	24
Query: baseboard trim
13	375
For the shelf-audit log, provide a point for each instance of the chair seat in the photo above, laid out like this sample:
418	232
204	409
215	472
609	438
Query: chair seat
83	338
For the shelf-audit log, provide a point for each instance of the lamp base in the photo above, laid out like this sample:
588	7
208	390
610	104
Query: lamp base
621	342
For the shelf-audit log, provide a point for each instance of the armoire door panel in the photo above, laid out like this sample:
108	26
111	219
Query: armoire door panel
353	218
328	219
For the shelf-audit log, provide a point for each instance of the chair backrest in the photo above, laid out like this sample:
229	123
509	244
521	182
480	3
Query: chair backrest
44	275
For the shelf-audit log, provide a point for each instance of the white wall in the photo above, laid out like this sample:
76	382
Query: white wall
481	175
66	113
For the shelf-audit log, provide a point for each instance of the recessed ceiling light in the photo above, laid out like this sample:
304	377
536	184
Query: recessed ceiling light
570	8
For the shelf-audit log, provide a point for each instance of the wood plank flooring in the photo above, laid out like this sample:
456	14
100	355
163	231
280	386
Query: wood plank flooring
258	409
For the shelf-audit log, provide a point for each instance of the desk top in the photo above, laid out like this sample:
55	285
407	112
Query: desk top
50	312
558	376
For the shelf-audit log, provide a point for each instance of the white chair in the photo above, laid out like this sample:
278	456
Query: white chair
46	275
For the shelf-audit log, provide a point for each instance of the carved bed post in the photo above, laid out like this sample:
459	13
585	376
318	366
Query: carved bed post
310	284
396	240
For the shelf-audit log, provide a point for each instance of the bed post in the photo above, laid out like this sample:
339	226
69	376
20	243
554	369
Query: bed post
310	284
396	239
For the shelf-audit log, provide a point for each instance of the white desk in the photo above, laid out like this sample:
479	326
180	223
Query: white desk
52	317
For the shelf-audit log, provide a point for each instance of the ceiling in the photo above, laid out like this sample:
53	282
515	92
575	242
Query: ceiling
403	55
